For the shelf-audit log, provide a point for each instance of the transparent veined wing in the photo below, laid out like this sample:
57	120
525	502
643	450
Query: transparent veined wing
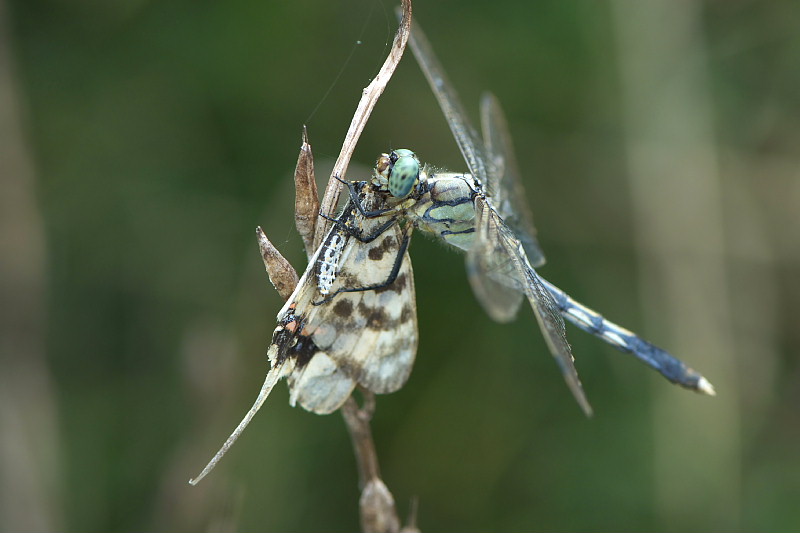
491	160
500	302
466	137
503	183
498	255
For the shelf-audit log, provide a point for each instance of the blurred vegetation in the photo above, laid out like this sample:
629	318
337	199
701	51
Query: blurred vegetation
157	134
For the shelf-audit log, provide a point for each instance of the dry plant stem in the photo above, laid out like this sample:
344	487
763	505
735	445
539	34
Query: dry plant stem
30	457
369	98
411	524
357	420
685	274
378	514
306	202
376	505
284	279
273	376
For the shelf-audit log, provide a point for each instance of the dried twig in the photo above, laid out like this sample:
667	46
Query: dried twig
30	448
378	513
376	505
675	163
369	98
357	420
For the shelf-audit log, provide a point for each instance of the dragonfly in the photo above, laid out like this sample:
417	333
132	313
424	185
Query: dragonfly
351	320
483	213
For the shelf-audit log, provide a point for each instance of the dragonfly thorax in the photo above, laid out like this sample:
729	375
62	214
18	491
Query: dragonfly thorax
445	207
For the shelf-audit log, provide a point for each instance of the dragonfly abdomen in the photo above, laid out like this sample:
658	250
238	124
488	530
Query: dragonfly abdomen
626	341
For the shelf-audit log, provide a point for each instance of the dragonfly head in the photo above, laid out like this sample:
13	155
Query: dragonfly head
397	171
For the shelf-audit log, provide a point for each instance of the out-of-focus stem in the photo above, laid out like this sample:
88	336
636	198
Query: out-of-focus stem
678	219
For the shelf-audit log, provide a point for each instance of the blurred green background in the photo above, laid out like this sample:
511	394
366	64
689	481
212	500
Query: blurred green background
143	141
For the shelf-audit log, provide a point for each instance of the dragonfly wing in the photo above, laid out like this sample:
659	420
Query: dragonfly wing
499	302
503	183
493	280
501	256
467	138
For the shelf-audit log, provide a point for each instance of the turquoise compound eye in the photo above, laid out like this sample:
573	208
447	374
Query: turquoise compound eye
403	173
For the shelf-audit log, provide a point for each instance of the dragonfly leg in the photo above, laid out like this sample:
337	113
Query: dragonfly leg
354	197
357	233
398	262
